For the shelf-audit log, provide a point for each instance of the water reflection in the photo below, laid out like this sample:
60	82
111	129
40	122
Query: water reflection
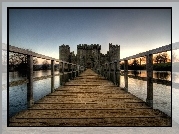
13	76
18	94
135	72
17	99
137	85
41	88
162	75
162	93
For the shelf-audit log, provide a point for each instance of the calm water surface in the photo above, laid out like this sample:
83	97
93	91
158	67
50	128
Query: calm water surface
18	94
162	93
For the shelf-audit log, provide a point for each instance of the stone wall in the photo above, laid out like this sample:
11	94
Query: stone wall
89	56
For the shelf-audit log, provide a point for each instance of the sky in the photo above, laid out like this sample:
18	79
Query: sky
44	30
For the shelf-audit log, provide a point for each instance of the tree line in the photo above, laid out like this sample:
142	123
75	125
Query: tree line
18	62
162	62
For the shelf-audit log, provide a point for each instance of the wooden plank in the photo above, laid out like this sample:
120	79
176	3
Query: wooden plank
91	101
110	121
37	114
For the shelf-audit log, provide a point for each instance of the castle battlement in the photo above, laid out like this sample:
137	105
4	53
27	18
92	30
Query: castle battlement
113	46
89	56
64	46
92	46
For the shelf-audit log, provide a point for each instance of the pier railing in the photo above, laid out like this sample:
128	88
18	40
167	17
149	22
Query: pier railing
67	71
111	70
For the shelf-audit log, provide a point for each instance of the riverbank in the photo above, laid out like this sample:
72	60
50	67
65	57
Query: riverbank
157	67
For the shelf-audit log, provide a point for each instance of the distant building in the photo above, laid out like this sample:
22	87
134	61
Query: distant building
89	56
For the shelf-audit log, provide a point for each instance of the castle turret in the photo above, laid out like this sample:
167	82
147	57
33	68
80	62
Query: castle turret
114	52
64	52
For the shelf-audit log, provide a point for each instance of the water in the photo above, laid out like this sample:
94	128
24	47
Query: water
18	94
162	93
13	76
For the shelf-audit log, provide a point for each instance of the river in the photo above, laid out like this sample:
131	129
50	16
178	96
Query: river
161	97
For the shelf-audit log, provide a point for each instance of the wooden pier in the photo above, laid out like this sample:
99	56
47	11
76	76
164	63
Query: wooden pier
90	100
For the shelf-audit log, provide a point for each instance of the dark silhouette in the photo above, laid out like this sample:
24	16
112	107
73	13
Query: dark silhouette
18	62
161	75
161	58
45	65
134	65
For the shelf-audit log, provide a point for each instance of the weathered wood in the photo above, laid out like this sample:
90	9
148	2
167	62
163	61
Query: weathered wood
74	71
90	101
30	100
62	80
126	74
52	73
149	67
69	71
115	73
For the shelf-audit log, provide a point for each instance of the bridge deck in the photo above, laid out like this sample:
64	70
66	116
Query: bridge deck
90	100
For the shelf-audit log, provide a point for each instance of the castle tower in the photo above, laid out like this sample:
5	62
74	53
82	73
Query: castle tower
72	58
64	53
88	55
114	52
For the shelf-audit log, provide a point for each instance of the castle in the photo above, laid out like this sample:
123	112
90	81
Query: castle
89	56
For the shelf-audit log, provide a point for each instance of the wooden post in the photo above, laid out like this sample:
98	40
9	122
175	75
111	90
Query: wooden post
66	77
69	71
126	75
60	78
52	78
73	71
30	100
149	67
63	76
118	74
78	70
115	73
